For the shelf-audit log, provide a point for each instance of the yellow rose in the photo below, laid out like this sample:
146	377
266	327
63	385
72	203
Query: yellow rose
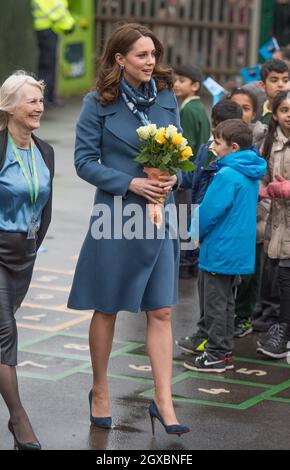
160	136
176	139
186	153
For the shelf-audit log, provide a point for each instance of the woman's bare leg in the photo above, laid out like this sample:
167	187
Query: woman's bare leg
101	339
160	350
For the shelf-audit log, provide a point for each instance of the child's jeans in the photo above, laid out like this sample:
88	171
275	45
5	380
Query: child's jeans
217	307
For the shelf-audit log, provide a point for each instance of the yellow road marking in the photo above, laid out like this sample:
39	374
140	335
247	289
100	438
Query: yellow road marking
55	288
55	271
55	308
59	327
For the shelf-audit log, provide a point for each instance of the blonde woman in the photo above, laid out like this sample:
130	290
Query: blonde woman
26	172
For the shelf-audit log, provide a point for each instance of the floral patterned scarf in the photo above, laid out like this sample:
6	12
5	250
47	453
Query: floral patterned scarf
139	101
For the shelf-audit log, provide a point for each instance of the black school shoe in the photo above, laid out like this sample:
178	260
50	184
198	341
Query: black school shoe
243	327
276	344
192	344
204	363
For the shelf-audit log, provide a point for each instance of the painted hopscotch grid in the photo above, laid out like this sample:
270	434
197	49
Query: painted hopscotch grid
39	352
125	349
47	284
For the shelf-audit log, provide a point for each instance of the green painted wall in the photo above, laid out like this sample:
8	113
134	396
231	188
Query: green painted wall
18	49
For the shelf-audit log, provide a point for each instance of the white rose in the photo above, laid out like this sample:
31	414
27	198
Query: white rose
170	131
143	132
183	143
152	129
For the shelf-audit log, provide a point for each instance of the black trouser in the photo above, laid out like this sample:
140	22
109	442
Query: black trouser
268	306
250	288
47	57
284	283
217	311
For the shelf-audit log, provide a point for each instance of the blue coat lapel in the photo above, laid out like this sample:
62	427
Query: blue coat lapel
122	123
162	112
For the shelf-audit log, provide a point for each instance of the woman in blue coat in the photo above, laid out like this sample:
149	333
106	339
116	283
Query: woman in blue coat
119	268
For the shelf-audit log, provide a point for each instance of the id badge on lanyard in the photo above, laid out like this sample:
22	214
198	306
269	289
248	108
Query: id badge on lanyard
33	186
32	229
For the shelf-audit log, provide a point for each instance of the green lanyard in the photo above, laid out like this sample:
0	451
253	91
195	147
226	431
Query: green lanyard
33	186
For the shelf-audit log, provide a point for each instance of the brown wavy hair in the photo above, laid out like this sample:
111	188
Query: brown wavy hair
121	41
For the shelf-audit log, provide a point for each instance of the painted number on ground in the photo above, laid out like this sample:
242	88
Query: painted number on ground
258	373
47	278
78	347
33	364
214	391
140	368
34	317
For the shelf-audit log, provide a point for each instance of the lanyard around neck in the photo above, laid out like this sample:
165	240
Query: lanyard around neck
32	185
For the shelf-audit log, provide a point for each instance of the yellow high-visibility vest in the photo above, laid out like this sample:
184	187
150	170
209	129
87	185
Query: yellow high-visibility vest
52	14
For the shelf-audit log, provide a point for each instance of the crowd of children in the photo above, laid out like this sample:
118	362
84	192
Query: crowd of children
242	187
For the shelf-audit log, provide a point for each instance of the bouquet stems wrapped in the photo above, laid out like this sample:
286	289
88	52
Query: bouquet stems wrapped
155	210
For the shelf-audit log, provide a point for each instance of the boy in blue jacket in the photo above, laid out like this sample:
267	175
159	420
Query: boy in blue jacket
227	236
199	180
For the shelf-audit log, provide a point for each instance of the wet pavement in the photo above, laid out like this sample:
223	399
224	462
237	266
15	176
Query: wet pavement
247	408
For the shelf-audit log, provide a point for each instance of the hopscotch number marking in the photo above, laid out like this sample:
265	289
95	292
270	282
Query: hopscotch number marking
78	347
140	368
258	373
214	391
33	364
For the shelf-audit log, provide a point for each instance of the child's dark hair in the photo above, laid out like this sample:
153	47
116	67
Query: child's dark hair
273	124
224	110
246	92
275	65
191	72
235	131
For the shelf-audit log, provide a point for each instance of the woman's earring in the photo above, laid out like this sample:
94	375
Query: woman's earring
122	67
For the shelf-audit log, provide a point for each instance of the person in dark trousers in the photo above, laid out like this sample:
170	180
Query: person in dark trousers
51	18
225	225
248	292
26	172
274	79
276	185
199	181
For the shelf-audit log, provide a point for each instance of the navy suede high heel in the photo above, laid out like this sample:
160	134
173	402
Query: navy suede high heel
23	445
170	429
105	422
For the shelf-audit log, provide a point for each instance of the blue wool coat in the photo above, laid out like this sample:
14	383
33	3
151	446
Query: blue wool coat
113	272
227	215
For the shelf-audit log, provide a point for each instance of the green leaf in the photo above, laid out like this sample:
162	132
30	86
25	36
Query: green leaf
187	166
166	159
141	159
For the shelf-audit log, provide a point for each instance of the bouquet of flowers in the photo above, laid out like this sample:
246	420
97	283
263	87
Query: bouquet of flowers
164	152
